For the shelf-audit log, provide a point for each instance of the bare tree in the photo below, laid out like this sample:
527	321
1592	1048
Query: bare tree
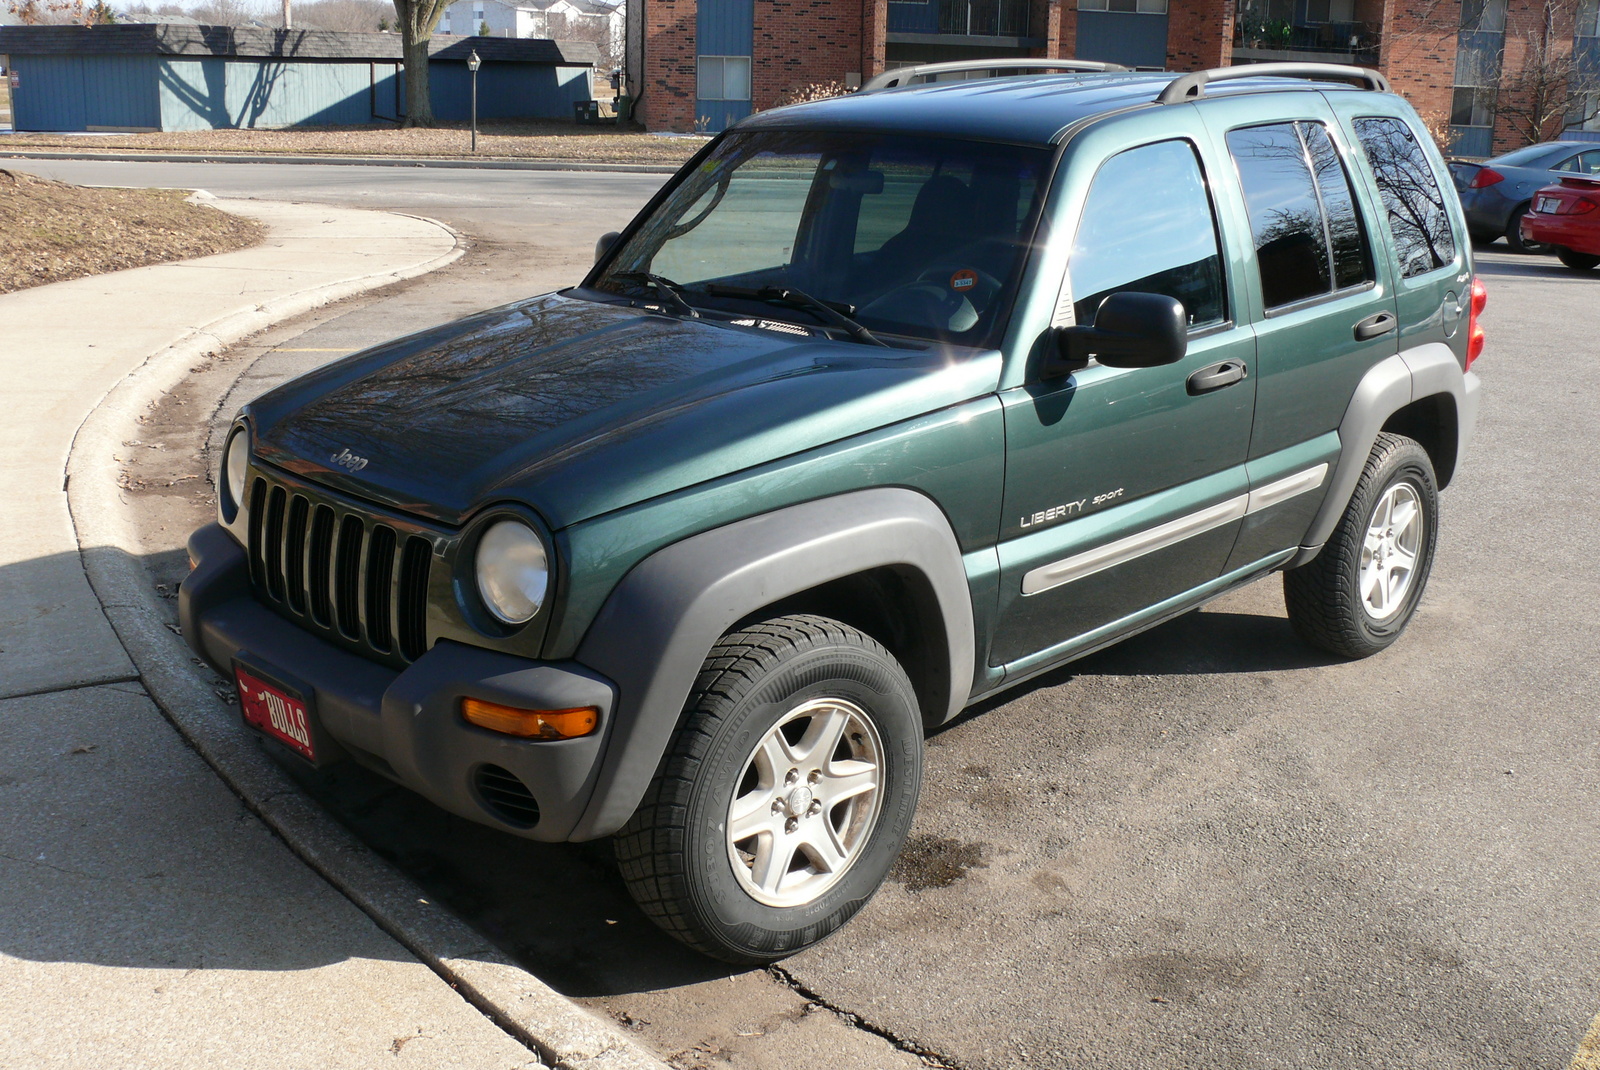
596	29
225	12
417	19
1549	88
61	12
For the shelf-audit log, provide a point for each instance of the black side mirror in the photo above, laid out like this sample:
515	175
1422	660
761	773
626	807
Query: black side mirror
603	246
1131	330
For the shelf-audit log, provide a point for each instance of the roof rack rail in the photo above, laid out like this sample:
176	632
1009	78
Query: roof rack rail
1192	86
903	75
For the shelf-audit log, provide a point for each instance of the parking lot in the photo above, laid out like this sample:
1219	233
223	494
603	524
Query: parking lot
1209	846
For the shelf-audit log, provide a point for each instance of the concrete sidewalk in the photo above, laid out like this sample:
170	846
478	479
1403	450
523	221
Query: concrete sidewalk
150	919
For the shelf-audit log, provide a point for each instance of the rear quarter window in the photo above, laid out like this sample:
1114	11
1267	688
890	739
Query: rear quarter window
1411	196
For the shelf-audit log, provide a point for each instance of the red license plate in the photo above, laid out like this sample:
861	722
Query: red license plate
275	712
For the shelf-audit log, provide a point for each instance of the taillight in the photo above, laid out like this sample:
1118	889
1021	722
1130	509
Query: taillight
1574	207
1486	176
1475	336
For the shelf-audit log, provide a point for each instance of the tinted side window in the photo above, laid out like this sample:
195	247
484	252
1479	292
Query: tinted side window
1148	227
1285	215
1351	264
1411	196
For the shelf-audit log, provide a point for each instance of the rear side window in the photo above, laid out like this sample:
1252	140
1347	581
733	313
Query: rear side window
1411	195
1148	227
1308	235
1585	163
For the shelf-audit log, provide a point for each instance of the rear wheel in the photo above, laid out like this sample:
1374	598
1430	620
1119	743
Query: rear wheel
1360	592
785	796
1514	234
1577	261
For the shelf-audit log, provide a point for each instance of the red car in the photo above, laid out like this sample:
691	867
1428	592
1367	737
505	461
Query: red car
1567	216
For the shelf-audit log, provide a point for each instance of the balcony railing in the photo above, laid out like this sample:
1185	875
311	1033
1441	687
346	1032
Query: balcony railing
1357	40
963	18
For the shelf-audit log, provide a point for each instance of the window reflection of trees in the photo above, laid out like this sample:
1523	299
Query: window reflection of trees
1411	195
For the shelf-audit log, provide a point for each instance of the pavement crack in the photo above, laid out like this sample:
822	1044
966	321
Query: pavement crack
928	1056
39	863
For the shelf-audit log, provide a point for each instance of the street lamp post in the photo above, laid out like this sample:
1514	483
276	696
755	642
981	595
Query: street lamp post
473	63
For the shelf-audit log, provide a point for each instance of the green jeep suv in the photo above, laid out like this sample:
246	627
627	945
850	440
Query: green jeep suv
882	405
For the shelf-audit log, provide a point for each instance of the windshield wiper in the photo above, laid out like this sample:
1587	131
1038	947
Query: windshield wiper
664	286
828	312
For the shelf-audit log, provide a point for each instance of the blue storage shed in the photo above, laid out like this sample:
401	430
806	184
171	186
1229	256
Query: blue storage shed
176	77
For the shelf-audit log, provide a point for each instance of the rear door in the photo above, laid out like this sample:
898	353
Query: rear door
1323	307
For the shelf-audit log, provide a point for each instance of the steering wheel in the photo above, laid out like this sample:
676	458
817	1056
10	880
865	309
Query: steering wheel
948	297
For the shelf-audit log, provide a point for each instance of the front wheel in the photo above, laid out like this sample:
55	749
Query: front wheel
1577	261
1357	595
785	796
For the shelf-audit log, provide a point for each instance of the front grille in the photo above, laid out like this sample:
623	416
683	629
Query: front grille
508	797
339	570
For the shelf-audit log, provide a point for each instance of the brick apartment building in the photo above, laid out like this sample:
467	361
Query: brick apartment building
1464	64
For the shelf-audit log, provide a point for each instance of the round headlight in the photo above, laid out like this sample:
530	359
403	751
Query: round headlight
235	457
513	572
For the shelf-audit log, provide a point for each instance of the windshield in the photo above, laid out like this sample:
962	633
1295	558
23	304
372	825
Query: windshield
911	236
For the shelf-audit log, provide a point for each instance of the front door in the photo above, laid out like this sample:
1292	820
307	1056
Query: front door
1125	487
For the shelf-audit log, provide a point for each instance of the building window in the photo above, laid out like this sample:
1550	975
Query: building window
722	78
1483	16
1318	11
1140	7
1588	18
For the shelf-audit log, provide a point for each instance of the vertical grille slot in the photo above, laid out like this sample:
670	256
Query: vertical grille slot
322	566
414	564
294	562
379	584
273	542
347	576
258	510
354	576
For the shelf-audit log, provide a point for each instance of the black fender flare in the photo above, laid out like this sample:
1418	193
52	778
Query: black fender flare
652	635
1392	384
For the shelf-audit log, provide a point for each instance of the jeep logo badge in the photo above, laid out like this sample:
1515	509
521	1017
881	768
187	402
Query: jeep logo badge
350	462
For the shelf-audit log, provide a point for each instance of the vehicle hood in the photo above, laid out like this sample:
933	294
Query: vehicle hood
580	407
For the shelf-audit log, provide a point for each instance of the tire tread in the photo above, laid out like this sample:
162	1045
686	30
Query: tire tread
649	848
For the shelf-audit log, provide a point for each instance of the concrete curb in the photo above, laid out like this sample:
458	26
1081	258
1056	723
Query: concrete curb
501	164
563	1034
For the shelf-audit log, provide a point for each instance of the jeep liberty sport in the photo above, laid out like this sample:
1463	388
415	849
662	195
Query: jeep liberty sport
883	404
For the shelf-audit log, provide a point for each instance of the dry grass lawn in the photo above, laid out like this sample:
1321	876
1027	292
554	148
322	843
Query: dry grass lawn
50	231
526	139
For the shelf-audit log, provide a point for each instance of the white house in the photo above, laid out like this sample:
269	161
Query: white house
585	20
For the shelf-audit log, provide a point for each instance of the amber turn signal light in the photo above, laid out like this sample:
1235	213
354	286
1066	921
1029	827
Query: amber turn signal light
530	724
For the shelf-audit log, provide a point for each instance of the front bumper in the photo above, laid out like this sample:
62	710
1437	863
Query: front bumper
406	724
1578	233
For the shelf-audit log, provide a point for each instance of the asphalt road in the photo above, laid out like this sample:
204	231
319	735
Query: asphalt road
1207	847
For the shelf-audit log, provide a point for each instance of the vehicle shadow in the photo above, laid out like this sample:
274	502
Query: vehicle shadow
1202	642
